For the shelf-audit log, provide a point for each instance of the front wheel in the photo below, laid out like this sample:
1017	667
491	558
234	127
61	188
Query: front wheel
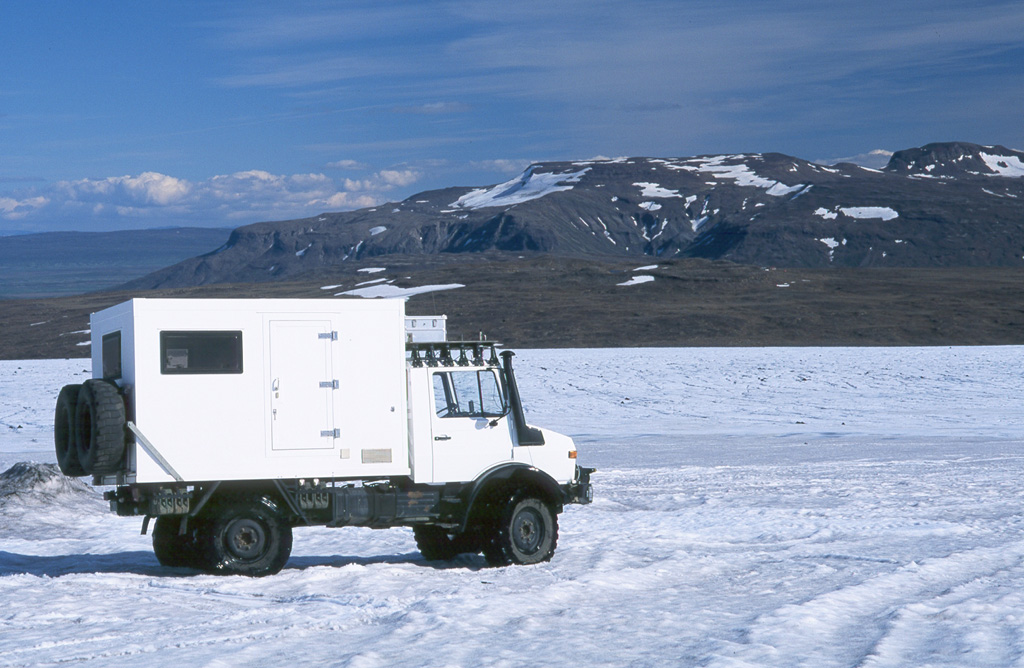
245	536
526	533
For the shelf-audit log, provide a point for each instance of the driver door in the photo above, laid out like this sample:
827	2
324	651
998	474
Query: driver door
470	424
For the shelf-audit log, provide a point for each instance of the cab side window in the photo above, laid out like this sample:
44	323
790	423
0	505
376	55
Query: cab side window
468	394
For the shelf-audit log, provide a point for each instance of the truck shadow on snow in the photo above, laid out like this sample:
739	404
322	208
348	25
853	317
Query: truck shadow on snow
138	563
464	562
142	562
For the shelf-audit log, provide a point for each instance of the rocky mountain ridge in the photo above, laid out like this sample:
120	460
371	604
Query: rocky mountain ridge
941	205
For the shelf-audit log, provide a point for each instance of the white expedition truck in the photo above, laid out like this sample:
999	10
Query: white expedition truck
231	421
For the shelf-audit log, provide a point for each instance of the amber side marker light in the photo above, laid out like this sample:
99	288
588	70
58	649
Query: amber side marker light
572	454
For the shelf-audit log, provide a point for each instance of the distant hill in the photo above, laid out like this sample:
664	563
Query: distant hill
65	263
941	205
549	301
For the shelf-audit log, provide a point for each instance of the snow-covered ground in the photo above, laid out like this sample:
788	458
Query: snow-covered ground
754	507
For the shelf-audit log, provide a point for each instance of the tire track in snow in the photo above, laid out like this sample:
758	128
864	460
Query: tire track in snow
862	624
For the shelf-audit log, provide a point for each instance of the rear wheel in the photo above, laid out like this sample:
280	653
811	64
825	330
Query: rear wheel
245	535
437	544
173	548
99	427
64	431
526	532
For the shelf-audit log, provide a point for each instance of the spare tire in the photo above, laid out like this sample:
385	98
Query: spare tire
64	431
99	427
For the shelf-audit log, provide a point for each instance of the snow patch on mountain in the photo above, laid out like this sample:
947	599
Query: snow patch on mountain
832	246
389	291
781	189
1004	165
734	168
374	231
864	212
825	213
637	280
655	190
525	187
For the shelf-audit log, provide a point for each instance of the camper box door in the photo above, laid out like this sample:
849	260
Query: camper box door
301	384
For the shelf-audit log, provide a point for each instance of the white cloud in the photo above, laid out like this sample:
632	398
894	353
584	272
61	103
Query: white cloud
148	188
14	209
399	178
347	164
435	108
384	180
151	199
500	165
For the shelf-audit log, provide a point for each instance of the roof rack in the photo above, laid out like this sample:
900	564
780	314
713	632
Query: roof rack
470	353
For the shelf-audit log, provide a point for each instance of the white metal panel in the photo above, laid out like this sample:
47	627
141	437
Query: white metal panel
421	407
300	384
552	457
426	328
371	408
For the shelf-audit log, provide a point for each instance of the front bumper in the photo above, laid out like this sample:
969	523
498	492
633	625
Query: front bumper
580	489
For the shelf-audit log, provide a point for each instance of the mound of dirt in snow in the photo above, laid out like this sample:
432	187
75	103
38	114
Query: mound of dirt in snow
35	481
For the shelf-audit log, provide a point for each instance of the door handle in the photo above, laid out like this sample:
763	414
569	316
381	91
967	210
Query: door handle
443	437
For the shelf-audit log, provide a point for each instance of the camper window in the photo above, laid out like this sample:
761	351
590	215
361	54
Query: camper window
200	352
112	355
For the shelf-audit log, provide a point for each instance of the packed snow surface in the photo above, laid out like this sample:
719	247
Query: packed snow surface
754	507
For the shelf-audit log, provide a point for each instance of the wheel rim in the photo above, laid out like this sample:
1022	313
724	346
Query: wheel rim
246	539
527	530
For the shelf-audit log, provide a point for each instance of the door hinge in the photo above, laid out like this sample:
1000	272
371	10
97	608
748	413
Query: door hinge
331	433
330	336
329	384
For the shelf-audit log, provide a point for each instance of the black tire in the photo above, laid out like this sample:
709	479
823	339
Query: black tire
172	548
437	544
245	535
526	532
99	427
64	431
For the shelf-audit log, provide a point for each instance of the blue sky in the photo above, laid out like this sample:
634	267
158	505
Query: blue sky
117	115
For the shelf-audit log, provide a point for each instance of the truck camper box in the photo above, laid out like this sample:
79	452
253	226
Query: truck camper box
284	388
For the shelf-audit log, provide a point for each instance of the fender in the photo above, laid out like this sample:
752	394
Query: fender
548	487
